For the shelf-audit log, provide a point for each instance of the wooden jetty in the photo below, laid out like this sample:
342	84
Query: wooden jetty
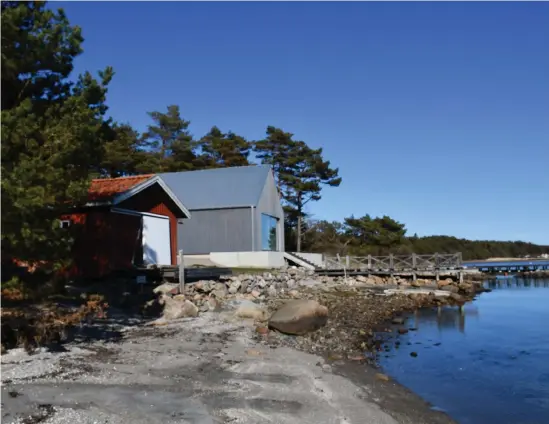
435	266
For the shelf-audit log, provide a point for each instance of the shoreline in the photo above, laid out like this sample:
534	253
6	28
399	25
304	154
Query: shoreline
222	359
201	370
219	355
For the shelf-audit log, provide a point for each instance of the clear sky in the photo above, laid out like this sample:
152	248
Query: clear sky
436	114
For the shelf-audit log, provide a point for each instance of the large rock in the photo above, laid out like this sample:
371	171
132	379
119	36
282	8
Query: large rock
450	288
166	288
235	285
465	287
174	309
299	317
249	309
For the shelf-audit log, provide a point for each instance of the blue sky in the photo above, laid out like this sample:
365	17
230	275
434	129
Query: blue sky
436	114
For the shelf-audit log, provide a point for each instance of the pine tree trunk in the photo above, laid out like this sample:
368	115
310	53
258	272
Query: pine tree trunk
298	246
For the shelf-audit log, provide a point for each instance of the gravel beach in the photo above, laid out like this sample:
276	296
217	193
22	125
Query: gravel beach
209	369
204	361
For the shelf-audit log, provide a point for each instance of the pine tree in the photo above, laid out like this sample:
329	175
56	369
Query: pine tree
52	130
222	150
300	173
168	143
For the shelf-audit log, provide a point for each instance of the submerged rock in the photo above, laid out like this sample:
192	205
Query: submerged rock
382	377
299	317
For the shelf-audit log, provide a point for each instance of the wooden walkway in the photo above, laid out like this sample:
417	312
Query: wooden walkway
436	265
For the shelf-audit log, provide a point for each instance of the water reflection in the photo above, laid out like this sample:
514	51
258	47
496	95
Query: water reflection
445	317
511	282
483	363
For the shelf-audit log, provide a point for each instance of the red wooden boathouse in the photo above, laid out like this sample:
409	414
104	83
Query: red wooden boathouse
127	222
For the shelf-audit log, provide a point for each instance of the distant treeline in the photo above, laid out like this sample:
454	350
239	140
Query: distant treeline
381	236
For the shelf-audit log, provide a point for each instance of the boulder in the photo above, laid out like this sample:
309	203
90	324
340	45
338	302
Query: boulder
174	309
271	291
294	293
450	288
465	287
444	283
249	309
235	285
165	288
261	283
299	317
204	286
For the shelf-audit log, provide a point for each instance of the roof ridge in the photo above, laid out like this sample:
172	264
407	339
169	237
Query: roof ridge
253	165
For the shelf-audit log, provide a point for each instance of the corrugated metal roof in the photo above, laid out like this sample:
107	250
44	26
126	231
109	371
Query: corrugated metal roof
105	189
218	188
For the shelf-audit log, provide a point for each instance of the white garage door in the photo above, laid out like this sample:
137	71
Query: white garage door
156	240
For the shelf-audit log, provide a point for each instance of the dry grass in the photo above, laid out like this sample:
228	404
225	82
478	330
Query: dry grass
35	325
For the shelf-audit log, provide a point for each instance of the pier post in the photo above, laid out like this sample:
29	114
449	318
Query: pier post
414	276
437	276
369	262
347	261
181	272
460	275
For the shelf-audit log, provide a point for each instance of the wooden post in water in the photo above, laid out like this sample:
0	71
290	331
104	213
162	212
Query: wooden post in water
181	272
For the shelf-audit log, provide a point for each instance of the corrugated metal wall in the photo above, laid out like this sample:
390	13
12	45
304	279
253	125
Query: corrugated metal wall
269	204
216	230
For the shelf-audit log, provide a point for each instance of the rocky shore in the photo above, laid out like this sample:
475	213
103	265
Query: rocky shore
223	351
359	309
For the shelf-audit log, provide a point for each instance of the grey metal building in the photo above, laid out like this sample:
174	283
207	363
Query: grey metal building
232	210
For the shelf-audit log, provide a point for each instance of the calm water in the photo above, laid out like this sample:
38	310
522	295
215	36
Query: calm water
488	363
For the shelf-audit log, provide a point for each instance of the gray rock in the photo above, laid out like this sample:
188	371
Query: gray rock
249	309
235	286
261	283
309	282
203	286
174	309
219	294
165	288
271	291
451	289
299	317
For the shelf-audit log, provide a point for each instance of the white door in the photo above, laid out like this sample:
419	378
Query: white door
156	240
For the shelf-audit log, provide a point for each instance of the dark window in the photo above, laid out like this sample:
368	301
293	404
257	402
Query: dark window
65	224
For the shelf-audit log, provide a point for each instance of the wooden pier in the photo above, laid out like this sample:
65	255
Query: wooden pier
435	266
